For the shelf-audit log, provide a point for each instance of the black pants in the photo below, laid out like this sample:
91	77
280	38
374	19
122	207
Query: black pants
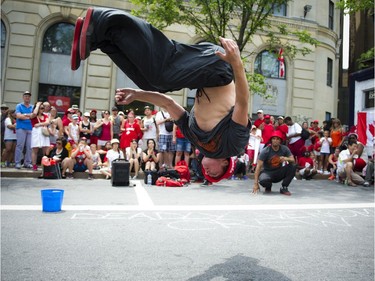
284	174
151	60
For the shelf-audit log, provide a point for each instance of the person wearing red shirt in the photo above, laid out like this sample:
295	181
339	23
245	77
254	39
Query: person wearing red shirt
80	160
130	131
315	127
260	119
282	127
183	145
306	166
268	130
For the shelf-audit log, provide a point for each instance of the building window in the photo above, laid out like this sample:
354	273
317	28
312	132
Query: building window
3	41
58	84
279	10
369	98
58	39
329	72
331	11
328	116
269	65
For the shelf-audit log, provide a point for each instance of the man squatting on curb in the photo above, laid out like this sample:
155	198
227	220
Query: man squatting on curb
218	125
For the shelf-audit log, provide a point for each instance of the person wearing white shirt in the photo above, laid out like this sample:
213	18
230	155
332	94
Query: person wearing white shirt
10	139
166	146
325	150
148	127
295	142
345	165
133	155
112	154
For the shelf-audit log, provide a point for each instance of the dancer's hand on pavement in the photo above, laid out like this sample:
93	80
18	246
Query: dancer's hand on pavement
125	95
232	52
255	189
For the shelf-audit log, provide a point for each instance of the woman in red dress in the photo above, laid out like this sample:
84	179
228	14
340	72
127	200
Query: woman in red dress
130	131
107	130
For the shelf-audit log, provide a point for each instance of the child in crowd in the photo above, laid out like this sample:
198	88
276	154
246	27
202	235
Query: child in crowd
72	131
325	151
317	147
332	163
306	166
253	147
96	159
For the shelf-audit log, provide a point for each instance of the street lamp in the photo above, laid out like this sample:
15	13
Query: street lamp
306	9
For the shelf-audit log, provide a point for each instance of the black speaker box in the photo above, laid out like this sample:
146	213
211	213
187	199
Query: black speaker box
120	172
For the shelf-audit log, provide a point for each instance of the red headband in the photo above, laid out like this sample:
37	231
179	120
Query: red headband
228	173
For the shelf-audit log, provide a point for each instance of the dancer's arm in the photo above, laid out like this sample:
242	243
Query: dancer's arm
233	57
128	95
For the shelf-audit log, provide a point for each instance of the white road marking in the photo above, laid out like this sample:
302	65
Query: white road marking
144	200
145	204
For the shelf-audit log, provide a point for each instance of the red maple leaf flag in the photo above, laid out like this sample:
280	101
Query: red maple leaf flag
280	58
365	128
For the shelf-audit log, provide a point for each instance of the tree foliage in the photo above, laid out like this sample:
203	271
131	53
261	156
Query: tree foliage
352	6
240	19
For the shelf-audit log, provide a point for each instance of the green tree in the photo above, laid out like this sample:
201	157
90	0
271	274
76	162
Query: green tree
352	6
238	19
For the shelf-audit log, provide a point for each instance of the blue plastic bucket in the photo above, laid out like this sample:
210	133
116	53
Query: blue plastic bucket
52	199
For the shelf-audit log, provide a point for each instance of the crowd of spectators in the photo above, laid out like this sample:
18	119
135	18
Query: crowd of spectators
326	148
93	140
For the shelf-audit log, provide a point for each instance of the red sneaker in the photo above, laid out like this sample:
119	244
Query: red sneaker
87	30
285	191
75	60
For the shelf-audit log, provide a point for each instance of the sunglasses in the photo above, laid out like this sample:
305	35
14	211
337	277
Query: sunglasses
58	142
41	107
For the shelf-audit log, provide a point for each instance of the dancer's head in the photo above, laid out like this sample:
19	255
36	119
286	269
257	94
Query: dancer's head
215	170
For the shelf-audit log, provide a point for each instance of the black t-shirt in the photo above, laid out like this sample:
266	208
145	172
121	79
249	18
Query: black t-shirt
62	155
225	140
271	158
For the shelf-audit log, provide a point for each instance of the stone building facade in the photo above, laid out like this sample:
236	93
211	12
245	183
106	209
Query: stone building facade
35	54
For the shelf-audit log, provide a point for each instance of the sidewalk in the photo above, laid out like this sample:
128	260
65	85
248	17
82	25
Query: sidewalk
29	173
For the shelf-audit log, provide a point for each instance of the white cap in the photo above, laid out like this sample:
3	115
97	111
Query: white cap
280	117
114	141
260	111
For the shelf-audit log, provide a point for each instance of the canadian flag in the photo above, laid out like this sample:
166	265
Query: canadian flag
280	58
366	128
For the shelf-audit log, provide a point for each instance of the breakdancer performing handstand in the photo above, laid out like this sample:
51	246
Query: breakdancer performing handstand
218	124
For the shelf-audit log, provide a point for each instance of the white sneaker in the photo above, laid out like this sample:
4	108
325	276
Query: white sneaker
135	177
326	173
320	171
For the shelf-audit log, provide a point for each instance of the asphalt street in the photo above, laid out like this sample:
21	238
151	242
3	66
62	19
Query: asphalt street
324	231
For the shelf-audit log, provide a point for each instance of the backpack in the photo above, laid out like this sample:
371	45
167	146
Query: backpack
305	134
163	181
171	173
168	124
182	168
